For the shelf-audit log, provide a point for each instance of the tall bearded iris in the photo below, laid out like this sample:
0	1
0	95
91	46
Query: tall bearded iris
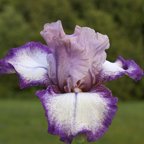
73	69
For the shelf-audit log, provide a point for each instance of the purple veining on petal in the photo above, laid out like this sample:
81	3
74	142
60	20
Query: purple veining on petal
56	128
31	62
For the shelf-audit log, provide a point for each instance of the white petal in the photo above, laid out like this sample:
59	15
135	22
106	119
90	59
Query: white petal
111	71
73	113
33	62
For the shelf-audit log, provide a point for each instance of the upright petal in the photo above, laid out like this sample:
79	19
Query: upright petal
111	71
52	33
71	114
77	55
33	62
92	46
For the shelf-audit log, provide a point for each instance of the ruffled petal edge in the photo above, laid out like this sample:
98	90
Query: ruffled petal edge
111	71
54	128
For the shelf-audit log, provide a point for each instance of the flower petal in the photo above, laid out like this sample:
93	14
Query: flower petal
111	71
52	32
6	68
90	47
33	62
78	55
71	114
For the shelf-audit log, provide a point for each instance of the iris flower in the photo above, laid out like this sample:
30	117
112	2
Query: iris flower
72	69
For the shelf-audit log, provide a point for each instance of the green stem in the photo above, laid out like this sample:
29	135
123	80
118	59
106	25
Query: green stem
81	139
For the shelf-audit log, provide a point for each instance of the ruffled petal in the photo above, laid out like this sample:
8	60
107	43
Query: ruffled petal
71	114
77	55
111	71
33	62
90	47
52	33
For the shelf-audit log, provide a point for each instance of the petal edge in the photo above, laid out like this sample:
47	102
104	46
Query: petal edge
111	71
31	62
69	114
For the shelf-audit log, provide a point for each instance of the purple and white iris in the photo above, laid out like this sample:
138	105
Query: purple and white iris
73	69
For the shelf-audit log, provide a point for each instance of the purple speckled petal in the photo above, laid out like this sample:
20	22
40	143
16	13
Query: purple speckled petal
78	54
120	67
71	114
31	62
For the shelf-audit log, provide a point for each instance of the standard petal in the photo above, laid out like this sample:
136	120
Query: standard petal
111	71
33	62
78	55
52	33
71	114
86	50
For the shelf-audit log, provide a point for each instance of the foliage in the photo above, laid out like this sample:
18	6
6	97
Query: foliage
121	20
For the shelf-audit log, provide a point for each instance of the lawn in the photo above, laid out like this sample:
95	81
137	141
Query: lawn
23	122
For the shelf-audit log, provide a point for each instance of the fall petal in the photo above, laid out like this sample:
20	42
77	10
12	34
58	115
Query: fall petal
6	68
111	71
32	62
71	114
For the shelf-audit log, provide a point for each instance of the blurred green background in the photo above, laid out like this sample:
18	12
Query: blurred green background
21	115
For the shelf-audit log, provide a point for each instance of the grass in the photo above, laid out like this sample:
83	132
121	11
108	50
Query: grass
23	122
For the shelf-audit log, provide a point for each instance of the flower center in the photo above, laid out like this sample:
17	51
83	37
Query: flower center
77	90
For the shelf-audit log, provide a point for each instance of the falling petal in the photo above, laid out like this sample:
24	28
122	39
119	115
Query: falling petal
31	62
71	114
111	71
6	68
